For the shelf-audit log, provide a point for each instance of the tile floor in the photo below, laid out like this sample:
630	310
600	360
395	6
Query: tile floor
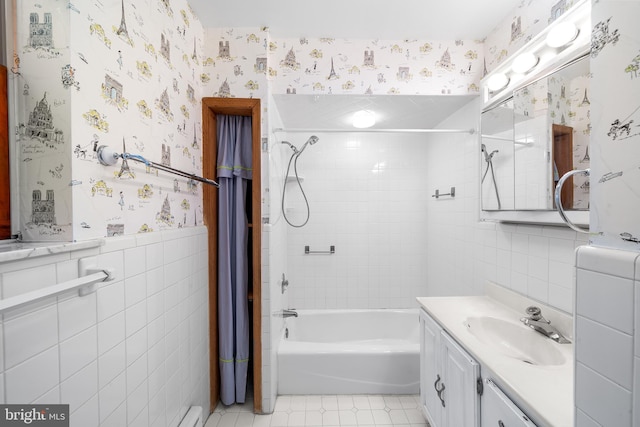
335	411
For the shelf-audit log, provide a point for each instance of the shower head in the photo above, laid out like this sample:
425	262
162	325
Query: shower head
312	140
487	156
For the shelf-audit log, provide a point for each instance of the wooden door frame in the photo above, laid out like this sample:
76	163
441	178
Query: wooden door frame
562	158
5	166
239	107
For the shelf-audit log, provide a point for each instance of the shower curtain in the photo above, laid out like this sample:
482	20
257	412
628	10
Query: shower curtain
233	171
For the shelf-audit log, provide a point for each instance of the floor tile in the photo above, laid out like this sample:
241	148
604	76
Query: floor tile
325	411
361	402
330	403
313	418
376	402
364	416
313	403
347	418
345	402
330	418
298	403
279	419
261	421
398	417
380	416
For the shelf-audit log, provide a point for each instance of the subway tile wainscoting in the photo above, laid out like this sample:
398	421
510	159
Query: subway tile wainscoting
135	352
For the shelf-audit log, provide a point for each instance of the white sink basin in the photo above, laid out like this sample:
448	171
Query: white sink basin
515	340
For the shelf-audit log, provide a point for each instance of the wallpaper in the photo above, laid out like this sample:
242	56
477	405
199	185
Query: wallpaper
381	67
121	73
615	172
245	62
43	79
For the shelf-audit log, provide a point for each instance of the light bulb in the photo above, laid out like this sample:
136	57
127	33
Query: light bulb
562	34
364	119
524	62
497	81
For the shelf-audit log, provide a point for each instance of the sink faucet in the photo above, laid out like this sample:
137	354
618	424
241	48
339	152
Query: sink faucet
539	324
289	313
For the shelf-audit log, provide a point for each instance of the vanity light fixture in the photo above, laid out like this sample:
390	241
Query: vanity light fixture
562	34
524	62
497	82
364	119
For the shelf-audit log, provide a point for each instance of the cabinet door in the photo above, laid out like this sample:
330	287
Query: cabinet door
430	377
499	411
461	373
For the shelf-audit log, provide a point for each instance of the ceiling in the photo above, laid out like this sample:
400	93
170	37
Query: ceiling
361	19
317	112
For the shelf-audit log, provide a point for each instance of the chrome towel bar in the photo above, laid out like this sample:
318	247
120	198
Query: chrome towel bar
108	157
451	193
331	251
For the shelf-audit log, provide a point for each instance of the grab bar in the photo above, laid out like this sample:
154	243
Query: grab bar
558	199
331	251
451	193
83	284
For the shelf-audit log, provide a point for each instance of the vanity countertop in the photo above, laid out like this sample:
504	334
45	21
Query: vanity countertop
546	391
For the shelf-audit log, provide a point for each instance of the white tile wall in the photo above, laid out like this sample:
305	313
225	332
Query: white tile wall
104	354
607	310
393	241
368	199
464	253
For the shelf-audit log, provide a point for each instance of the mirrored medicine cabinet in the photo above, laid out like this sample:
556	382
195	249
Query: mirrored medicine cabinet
531	135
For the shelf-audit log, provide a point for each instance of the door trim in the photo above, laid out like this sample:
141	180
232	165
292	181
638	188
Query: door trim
240	107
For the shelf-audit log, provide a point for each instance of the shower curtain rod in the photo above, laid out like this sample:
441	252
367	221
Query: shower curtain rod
306	130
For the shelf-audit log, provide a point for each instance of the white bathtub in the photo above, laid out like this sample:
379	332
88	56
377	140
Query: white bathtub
350	352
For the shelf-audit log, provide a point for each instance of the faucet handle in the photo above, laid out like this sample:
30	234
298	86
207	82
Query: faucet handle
534	312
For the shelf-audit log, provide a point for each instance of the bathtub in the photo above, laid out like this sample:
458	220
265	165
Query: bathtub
350	352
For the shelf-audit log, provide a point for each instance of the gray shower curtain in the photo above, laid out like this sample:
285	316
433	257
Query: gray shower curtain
233	171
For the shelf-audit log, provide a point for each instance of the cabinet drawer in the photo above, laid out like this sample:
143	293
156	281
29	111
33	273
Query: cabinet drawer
499	411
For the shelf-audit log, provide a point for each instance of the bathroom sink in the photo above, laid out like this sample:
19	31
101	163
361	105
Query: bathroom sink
515	340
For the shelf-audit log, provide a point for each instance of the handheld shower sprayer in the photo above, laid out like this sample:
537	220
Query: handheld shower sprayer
294	159
312	140
488	156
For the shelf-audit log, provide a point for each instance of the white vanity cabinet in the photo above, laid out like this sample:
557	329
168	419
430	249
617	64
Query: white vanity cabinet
499	411
448	378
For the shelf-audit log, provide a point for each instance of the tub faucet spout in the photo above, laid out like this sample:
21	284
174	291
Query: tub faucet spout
289	313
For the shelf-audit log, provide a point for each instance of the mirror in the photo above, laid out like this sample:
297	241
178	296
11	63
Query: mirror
533	138
497	157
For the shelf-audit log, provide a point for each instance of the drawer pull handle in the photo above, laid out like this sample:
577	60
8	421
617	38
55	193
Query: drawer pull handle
439	390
